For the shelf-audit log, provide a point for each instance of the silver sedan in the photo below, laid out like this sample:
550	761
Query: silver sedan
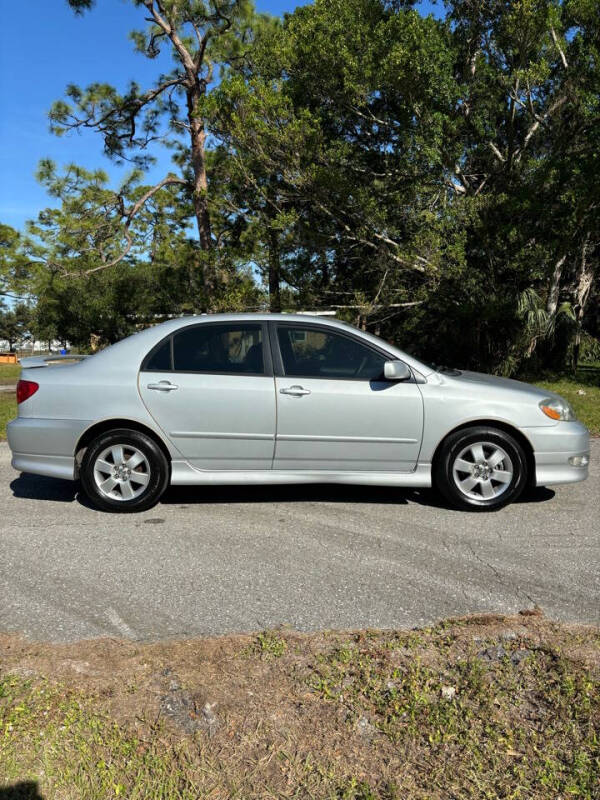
279	398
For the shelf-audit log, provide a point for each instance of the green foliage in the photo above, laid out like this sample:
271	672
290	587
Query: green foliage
435	181
15	324
268	645
201	36
590	350
14	266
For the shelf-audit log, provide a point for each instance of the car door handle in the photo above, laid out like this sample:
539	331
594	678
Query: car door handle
162	386
295	391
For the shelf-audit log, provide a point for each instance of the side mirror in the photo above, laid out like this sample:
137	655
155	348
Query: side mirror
396	371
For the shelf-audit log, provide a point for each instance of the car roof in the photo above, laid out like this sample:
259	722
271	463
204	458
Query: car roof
232	316
134	348
258	316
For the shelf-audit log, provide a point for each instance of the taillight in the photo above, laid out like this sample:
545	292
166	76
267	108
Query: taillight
25	389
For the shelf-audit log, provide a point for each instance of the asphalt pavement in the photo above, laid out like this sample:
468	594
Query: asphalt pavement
233	559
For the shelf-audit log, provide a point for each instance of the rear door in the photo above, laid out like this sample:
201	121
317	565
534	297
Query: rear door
335	410
210	388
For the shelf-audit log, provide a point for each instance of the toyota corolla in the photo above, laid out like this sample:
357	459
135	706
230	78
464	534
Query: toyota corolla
279	398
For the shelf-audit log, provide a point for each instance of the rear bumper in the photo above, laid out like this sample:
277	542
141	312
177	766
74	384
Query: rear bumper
45	446
554	447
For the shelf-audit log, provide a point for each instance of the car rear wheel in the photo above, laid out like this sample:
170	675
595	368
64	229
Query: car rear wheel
481	468
123	471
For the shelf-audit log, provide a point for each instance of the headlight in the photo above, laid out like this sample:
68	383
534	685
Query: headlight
557	408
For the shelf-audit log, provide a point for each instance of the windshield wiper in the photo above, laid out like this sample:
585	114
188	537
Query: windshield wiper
446	370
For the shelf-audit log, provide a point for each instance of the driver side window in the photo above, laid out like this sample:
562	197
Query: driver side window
311	352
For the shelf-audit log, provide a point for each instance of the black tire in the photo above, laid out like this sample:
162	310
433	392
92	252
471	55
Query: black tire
147	481
448	472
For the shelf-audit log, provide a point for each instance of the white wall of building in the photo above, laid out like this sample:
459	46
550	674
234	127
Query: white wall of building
33	347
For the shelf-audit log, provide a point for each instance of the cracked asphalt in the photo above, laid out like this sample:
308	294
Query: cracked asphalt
232	559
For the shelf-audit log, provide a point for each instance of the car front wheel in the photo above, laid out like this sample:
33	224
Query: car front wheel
481	468
124	471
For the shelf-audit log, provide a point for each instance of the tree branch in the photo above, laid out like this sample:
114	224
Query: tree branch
184	55
128	215
497	152
128	109
123	254
560	101
166	181
563	58
379	306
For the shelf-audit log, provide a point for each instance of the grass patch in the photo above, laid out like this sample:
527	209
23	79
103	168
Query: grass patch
9	374
488	707
8	410
268	644
587	406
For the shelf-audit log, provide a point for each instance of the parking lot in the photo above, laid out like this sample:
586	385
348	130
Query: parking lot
211	561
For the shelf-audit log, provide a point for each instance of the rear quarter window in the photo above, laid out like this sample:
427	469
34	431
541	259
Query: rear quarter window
159	360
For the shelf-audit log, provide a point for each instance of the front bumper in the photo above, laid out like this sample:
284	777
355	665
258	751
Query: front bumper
45	446
553	447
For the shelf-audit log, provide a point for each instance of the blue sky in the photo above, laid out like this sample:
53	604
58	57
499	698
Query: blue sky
43	47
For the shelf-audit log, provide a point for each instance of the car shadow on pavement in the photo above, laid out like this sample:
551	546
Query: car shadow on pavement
37	487
288	493
320	493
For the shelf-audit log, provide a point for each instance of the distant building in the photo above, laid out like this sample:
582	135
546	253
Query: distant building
34	347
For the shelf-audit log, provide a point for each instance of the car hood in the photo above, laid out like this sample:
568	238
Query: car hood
482	380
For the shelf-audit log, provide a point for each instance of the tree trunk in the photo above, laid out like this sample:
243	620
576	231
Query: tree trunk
583	288
166	16
200	191
554	291
274	272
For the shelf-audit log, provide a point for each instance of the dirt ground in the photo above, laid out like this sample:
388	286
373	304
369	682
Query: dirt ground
353	714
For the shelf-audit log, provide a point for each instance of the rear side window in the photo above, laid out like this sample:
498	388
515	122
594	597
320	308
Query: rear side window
219	348
160	359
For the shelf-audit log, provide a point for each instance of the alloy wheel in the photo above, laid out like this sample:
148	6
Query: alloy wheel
121	472
483	471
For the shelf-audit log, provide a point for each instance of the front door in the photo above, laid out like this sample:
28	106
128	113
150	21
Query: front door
210	388
335	411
